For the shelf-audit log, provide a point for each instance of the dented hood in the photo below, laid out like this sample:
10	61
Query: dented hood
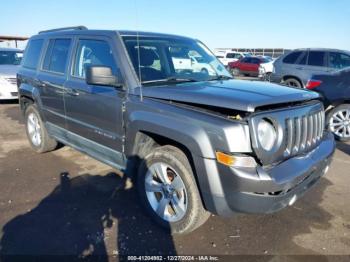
232	94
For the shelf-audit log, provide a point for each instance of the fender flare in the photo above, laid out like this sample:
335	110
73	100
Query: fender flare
192	137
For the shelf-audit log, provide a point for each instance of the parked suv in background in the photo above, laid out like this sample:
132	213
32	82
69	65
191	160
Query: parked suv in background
195	142
297	67
10	58
335	90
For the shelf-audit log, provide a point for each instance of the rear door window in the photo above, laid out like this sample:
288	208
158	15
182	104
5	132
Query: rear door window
292	57
57	55
317	58
32	54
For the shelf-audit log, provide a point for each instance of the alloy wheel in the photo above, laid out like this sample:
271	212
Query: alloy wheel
292	83
339	123
166	192
34	129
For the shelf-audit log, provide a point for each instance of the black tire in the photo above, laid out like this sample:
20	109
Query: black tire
293	82
330	114
204	71
47	143
235	72
195	214
267	77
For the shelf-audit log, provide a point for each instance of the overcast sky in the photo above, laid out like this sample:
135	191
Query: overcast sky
219	23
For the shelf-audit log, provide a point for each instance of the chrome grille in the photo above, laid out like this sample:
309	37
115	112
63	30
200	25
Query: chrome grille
12	80
303	132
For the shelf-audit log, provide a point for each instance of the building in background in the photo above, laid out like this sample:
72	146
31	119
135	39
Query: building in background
13	41
272	52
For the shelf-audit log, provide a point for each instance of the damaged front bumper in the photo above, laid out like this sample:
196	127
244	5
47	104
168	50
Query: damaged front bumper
262	190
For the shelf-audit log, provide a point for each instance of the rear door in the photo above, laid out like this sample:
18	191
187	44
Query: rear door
52	78
289	65
316	64
94	112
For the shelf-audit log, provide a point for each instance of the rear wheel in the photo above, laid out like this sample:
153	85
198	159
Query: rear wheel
37	135
338	120
204	71
168	190
292	82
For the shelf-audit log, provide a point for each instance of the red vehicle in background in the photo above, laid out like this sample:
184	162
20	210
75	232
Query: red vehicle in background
248	66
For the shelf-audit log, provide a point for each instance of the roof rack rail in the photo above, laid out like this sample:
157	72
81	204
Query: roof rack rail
81	27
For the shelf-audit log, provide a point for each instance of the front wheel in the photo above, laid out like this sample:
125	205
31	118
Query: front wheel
267	77
169	192
338	120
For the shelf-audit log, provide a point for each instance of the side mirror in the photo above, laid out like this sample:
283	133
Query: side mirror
101	75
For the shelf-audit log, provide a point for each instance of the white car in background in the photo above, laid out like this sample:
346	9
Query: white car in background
265	70
226	57
10	58
197	65
182	63
192	64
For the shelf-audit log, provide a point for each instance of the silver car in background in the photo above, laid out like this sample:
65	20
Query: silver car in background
10	58
296	67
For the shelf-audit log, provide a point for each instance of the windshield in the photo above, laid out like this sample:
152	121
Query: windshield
10	57
158	59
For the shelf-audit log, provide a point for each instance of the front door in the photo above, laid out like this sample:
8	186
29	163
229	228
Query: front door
94	112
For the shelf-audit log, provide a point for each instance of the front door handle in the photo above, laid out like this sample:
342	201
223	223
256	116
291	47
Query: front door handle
300	68
72	92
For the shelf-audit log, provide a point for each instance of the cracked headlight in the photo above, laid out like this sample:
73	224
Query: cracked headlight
267	134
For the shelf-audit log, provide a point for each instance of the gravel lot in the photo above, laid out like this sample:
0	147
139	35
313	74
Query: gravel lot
64	202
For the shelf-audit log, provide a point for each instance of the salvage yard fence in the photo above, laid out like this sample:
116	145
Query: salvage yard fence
273	52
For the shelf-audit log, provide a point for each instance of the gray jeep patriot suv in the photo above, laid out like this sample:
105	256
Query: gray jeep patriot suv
196	141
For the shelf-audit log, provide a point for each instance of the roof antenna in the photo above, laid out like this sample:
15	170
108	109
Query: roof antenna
138	49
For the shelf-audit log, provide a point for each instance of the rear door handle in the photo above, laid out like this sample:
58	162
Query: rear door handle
300	68
72	92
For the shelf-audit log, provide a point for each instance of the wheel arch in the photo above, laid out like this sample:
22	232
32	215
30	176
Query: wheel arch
284	78
146	136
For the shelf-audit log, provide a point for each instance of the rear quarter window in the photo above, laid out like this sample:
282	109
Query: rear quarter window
32	54
292	57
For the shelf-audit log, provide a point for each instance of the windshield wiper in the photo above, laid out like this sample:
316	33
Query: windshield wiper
220	77
170	80
178	79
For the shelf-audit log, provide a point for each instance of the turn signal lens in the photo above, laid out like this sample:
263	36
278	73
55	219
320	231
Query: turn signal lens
235	161
225	159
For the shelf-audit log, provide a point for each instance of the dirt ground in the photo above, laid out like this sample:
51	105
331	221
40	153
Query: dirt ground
64	202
